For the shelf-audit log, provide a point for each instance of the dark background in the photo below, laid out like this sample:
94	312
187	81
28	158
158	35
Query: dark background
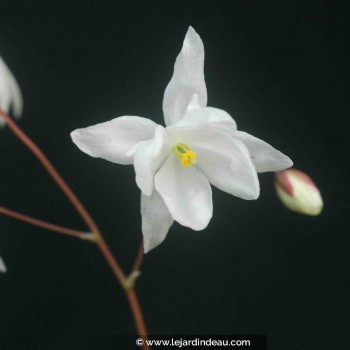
280	68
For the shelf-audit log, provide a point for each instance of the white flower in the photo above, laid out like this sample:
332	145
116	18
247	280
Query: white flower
10	94
298	192
175	165
2	266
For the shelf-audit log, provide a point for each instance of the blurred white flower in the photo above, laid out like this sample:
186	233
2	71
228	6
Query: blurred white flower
298	192
10	94
175	165
2	266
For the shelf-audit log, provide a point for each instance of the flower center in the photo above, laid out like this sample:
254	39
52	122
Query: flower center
184	154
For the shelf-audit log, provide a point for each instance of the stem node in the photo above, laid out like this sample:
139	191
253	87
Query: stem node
129	282
92	237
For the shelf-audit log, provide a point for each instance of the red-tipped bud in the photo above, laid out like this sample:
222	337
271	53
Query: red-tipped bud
298	192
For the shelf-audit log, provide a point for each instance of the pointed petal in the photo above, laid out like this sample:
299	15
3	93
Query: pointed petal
149	155
188	79
5	95
3	267
10	93
226	163
156	220
16	95
112	140
186	193
264	156
195	116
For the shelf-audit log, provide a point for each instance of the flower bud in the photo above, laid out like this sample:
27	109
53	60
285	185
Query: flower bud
298	192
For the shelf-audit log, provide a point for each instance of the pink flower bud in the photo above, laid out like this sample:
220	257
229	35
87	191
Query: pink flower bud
298	192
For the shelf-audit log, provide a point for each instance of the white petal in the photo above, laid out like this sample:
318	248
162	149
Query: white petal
207	115
4	99
188	79
264	156
186	193
226	163
10	94
16	95
5	95
112	140
148	156
2	266
156	220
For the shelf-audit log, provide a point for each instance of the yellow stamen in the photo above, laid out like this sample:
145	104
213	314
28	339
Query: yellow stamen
184	154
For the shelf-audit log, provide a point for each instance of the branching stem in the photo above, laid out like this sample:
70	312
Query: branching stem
101	243
45	225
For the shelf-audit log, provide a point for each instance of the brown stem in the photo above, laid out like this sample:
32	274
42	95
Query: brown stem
101	243
136	310
44	224
51	170
139	259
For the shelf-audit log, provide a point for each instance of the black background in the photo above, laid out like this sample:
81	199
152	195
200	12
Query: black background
280	68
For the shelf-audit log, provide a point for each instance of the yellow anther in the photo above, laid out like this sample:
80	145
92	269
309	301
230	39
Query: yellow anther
184	154
186	161
192	154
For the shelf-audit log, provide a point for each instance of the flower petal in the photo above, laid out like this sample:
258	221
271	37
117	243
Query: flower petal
16	95
207	115
188	79
3	267
264	156
186	193
113	140
149	155
10	93
226	163
156	220
5	95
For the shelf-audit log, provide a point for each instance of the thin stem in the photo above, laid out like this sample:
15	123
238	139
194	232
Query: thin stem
136	310
101	243
44	224
139	259
51	170
69	193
